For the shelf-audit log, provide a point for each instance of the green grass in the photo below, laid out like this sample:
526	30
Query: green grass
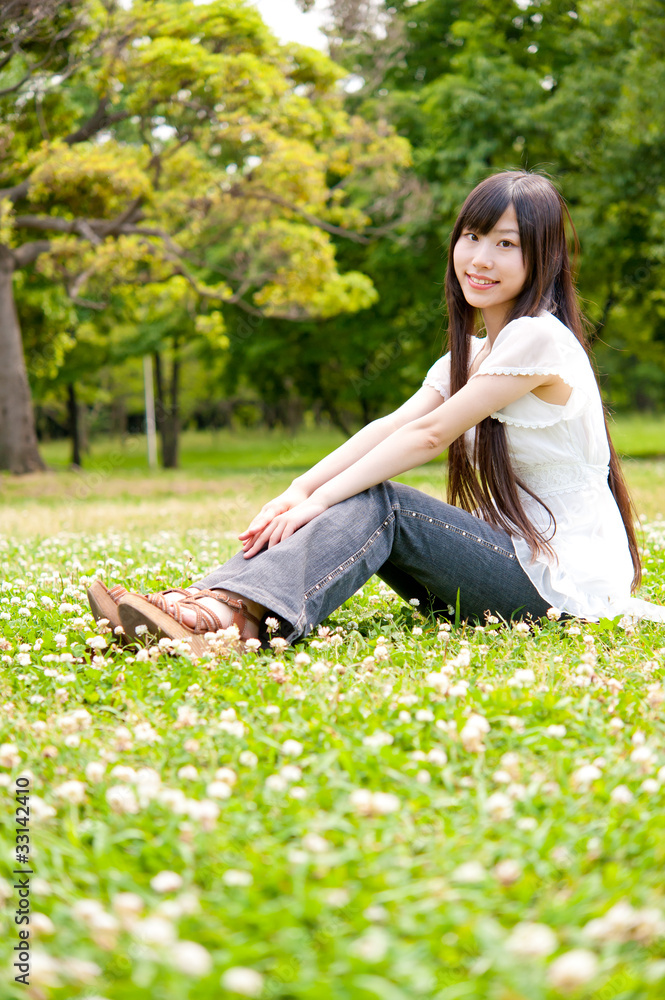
418	899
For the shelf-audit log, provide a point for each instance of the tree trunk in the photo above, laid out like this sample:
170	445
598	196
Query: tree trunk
18	438
166	410
74	425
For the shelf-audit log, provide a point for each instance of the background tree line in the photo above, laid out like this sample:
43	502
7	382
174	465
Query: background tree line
271	224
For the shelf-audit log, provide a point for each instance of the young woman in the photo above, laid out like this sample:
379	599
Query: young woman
539	513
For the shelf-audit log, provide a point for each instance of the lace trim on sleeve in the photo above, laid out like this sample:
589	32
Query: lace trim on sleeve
532	412
433	384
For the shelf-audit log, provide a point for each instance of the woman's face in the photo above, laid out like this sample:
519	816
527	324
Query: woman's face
490	268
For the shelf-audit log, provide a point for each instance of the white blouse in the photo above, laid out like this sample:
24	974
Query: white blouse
561	453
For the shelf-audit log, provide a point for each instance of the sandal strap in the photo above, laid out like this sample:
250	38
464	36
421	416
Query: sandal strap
241	613
117	592
158	598
206	619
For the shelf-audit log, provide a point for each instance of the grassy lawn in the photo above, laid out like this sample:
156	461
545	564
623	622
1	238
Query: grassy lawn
391	810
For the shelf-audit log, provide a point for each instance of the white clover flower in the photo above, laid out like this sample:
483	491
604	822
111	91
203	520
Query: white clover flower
645	757
530	940
369	803
469	872
86	909
71	791
248	758
39	809
291	772
188	772
141	629
292	748
584	776
43	969
473	733
191	958
378	739
127	905
573	969
23	659
218	790
424	715
41	924
186	716
166	881
247	982
522	677
381	653
278	644
440	681
276	783
499	807
96	642
302	659
556	732
47	601
315	843
9	755
227	775
122	799
372	945
205	811
423	777
271	623
234	876
253	645
123	772
298	792
507	871
621	794
553	614
154	930
104	930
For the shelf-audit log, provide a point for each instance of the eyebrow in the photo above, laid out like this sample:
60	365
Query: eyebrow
508	231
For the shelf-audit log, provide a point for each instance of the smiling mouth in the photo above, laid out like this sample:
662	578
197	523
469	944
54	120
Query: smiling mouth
477	280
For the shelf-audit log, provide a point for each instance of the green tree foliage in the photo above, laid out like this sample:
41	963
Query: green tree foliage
173	141
571	88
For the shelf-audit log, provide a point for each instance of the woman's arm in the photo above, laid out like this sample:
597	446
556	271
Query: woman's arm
408	446
422	402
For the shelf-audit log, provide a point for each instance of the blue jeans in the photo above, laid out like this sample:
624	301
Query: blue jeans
423	548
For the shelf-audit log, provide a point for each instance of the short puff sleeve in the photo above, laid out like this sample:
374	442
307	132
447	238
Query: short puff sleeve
540	345
438	377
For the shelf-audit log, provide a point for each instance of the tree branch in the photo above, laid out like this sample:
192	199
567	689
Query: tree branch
29	252
238	192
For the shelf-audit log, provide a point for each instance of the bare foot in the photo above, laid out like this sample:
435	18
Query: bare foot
224	613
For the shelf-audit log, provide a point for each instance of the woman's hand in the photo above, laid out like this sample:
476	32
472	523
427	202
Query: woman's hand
285	501
283	525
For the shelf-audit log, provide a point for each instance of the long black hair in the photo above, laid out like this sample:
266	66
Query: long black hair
541	217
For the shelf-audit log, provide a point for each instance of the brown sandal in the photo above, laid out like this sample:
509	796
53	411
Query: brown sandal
104	601
136	611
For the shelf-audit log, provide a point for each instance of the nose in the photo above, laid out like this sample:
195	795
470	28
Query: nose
482	257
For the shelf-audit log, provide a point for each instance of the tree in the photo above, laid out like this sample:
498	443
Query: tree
172	140
569	88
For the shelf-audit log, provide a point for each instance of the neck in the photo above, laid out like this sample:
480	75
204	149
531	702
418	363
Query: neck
494	320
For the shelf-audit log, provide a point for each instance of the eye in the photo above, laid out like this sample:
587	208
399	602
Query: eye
469	235
506	243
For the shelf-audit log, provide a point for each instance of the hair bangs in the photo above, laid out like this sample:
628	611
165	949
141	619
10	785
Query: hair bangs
485	205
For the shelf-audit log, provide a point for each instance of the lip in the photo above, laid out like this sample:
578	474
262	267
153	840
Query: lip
480	285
